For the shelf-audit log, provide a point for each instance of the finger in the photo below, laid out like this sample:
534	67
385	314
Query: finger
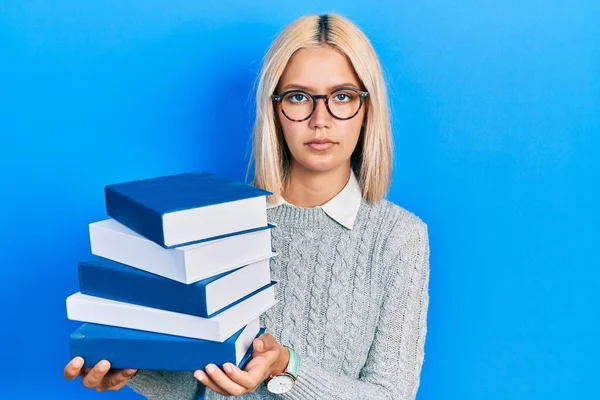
114	388
223	381
206	381
84	372
255	360
96	375
265	342
259	348
248	379
73	368
259	368
117	378
269	356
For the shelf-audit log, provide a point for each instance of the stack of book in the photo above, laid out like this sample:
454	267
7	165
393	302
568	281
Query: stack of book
179	275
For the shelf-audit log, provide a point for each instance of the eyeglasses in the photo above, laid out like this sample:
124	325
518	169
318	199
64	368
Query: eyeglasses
299	105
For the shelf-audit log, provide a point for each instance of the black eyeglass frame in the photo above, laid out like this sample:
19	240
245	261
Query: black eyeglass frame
361	94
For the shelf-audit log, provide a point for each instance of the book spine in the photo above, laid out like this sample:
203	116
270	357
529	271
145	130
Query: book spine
128	285
173	355
134	215
150	354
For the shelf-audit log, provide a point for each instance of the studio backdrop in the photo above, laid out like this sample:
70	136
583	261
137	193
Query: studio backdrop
496	119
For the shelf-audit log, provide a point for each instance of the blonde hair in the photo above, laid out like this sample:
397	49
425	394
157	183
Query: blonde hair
372	158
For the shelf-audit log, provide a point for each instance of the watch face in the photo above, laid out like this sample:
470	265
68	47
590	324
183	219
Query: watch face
280	384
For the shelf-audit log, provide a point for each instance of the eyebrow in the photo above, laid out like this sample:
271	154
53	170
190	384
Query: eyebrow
309	89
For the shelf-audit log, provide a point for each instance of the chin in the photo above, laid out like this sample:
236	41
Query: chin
320	165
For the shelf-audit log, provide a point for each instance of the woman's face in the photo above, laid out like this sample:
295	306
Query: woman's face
321	143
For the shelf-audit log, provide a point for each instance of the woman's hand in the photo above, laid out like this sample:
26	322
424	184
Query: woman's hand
101	377
268	358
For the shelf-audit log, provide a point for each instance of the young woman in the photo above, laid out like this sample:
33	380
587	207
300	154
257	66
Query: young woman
353	268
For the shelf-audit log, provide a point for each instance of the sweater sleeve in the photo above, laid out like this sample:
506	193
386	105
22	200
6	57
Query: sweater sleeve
393	366
166	385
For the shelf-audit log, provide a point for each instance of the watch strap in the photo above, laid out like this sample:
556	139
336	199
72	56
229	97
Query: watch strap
294	363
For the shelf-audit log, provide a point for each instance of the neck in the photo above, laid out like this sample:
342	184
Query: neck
313	188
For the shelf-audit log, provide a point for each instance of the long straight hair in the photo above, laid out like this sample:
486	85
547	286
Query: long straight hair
372	157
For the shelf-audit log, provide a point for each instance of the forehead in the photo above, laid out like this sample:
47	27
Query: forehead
318	69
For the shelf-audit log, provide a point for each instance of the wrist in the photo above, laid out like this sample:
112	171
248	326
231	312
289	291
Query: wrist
282	362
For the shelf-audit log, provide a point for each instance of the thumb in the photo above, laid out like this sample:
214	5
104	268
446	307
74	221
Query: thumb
259	345
265	342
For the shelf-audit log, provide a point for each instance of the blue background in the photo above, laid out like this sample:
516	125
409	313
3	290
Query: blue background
496	116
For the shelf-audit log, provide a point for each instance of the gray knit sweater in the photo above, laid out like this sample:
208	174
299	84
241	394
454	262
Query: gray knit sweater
353	304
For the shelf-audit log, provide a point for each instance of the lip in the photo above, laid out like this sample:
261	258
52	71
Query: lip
320	141
320	144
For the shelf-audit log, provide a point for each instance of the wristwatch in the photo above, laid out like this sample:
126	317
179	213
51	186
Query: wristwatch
284	382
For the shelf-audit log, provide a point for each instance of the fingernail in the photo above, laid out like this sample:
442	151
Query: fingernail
78	362
199	375
129	372
103	367
227	367
210	368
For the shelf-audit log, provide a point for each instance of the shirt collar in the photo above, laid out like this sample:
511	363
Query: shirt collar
342	208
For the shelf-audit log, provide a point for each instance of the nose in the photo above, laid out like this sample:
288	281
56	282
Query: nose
321	117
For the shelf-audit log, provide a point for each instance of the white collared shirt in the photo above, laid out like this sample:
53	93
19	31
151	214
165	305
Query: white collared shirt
343	207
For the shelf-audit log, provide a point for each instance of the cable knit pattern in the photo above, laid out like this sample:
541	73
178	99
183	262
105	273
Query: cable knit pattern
353	304
360	290
316	317
336	296
293	289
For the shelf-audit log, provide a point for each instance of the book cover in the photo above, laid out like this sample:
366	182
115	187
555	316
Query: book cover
129	348
181	209
84	308
111	280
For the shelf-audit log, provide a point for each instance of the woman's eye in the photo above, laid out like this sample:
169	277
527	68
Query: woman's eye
343	97
296	97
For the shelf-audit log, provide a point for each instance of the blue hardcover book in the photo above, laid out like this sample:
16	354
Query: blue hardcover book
129	348
86	308
111	280
181	209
